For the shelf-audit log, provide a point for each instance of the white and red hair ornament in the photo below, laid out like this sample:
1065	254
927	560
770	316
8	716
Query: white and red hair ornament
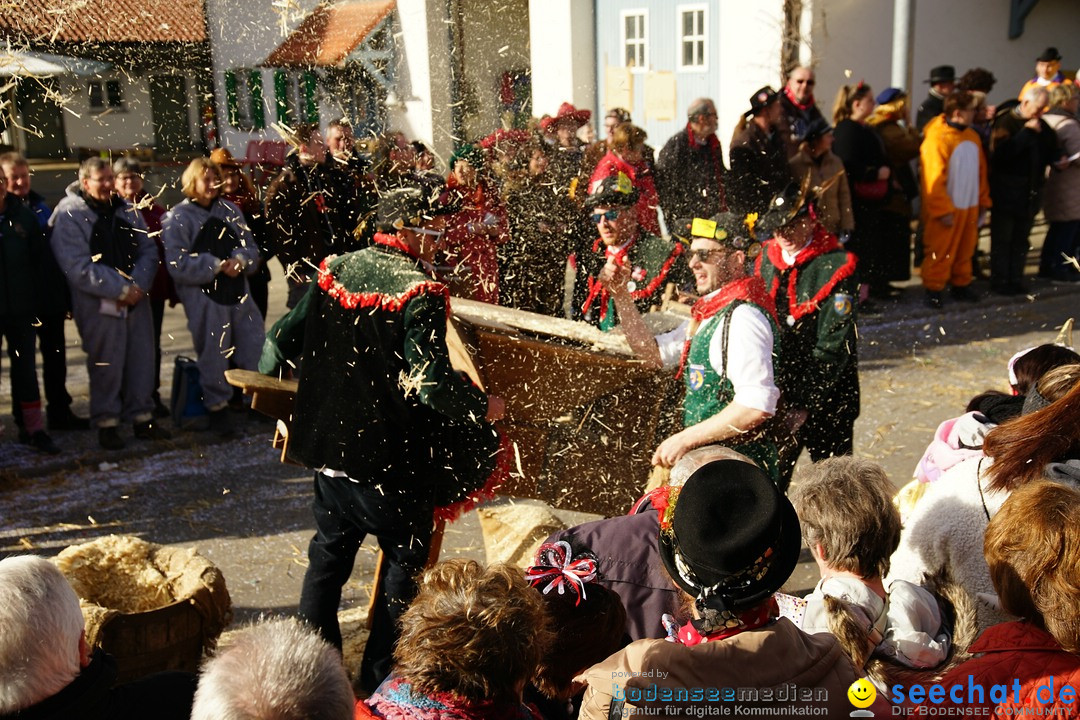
556	568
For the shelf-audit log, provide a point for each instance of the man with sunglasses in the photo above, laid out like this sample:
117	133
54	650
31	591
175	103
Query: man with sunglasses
799	108
724	352
380	414
650	261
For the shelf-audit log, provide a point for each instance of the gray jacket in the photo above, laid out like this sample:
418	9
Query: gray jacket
181	227
72	226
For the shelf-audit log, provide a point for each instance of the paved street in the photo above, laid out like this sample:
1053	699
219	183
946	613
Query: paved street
249	513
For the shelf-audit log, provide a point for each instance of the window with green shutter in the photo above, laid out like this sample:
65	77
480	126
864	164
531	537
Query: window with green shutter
311	99
231	105
258	115
281	96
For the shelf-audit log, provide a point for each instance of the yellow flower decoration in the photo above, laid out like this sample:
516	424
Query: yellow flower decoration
623	184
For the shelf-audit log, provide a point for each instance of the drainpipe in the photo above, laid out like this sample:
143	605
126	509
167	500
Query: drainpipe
903	40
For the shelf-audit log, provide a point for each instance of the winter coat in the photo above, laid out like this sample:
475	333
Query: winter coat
901	147
834	205
469	249
152	213
759	168
691	176
397	699
762	667
193	268
1017	654
23	253
794	120
1061	195
1018	160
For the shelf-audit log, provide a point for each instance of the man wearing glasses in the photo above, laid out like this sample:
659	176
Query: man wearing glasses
724	352
650	261
799	108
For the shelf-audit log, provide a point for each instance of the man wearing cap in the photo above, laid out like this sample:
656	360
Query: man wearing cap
650	261
1048	73
690	170
759	166
942	82
728	539
812	280
798	109
725	352
379	413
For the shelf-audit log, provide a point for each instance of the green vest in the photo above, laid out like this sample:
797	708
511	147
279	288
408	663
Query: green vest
708	392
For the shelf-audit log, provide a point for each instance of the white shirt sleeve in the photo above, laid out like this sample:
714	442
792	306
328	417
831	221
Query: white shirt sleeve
750	358
671	345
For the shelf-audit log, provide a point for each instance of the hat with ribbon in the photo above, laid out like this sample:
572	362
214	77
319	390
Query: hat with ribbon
727	229
761	99
791	202
733	538
567	114
410	207
615	190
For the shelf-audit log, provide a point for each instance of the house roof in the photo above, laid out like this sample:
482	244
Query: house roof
329	33
105	21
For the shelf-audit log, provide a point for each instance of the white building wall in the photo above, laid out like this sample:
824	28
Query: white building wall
856	35
115	129
496	40
562	48
422	110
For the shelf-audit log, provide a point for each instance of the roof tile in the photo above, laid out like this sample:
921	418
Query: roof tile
329	33
117	21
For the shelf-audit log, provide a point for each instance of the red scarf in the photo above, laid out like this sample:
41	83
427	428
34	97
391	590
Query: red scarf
750	620
791	98
718	162
596	288
750	288
822	242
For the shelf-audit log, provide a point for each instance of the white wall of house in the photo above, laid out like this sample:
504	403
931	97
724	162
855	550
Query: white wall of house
856	35
495	40
750	36
118	128
562	48
422	73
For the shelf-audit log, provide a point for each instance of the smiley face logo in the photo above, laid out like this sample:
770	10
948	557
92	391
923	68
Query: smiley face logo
862	693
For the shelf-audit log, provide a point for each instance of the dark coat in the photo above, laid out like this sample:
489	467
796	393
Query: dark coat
759	169
793	122
691	177
1018	160
24	261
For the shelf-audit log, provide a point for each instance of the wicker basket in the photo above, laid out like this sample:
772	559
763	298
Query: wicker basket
190	603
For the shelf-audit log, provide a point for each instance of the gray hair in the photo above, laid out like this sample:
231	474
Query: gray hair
1034	93
275	670
42	622
90	164
700	107
124	165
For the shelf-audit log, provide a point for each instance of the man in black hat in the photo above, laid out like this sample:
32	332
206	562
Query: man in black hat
728	539
724	352
1048	73
759	159
942	82
650	260
812	280
380	414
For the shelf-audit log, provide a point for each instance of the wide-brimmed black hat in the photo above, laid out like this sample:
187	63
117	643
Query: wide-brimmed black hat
761	99
1050	54
727	229
613	191
942	73
411	206
734	538
785	206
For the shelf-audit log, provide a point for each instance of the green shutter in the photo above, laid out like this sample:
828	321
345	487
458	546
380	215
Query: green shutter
311	101
230	97
258	114
281	96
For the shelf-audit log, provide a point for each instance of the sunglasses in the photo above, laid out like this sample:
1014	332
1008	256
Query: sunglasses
805	82
702	255
610	216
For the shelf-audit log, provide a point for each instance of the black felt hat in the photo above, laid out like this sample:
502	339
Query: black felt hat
762	99
1050	54
785	206
411	206
613	191
816	128
941	74
734	538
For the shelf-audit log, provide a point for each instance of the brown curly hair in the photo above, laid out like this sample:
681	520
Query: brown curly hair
472	631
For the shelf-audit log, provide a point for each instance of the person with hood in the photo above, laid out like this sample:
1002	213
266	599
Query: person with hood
110	261
728	539
210	252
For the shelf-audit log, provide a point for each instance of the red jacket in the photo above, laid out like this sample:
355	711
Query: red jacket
1028	662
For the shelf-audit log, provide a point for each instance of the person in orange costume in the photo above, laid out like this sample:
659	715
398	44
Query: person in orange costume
955	197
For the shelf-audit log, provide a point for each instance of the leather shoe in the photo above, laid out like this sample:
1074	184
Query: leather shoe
109	438
221	423
151	431
66	420
934	299
40	441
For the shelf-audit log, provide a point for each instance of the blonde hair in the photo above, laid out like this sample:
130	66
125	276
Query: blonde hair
846	97
194	171
895	109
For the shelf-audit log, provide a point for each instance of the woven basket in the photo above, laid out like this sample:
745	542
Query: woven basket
173	603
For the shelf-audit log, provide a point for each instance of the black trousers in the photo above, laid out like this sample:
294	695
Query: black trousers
825	435
346	512
1009	244
18	332
53	347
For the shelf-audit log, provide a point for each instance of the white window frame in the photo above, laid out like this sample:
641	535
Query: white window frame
680	10
643	40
